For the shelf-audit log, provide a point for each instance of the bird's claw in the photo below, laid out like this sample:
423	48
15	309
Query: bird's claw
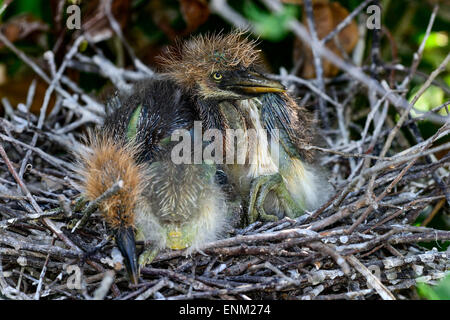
260	188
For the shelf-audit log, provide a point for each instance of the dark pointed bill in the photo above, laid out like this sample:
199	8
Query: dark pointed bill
127	246
255	83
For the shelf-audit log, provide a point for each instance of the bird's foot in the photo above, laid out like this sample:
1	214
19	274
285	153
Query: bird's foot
259	190
147	257
291	207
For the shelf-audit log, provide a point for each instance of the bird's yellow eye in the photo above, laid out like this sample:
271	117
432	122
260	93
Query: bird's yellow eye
217	76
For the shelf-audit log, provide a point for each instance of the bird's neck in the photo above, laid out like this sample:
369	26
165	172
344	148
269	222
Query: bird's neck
226	114
251	156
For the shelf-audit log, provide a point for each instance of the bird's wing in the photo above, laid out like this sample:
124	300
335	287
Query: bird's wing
148	117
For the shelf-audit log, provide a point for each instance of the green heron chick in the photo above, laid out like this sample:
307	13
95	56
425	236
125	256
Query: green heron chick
224	77
168	205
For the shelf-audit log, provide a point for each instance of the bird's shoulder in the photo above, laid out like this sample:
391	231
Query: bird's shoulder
150	114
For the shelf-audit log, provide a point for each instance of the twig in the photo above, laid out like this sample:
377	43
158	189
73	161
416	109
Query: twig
371	279
151	291
41	276
94	204
317	61
116	27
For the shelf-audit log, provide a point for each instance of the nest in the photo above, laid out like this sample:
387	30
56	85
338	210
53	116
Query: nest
362	244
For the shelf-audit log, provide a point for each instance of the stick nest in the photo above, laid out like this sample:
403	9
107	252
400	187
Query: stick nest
362	244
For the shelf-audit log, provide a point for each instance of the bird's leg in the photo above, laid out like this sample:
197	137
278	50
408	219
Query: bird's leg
257	183
147	256
149	253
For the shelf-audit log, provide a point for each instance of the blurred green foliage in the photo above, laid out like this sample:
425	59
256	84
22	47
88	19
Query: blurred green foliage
431	98
270	26
37	8
439	292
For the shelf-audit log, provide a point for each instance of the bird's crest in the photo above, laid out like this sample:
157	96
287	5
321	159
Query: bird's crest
187	62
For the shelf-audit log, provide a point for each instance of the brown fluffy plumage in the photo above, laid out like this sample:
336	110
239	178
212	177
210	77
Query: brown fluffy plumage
188	62
107	163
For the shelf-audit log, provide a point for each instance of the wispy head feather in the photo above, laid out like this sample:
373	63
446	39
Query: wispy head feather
190	61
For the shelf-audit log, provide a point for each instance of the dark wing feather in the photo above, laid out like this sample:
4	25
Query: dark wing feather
275	116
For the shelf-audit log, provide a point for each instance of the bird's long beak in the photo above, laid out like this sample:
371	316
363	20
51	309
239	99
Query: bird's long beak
255	83
127	246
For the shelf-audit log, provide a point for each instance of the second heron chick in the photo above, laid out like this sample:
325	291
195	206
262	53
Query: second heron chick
165	204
